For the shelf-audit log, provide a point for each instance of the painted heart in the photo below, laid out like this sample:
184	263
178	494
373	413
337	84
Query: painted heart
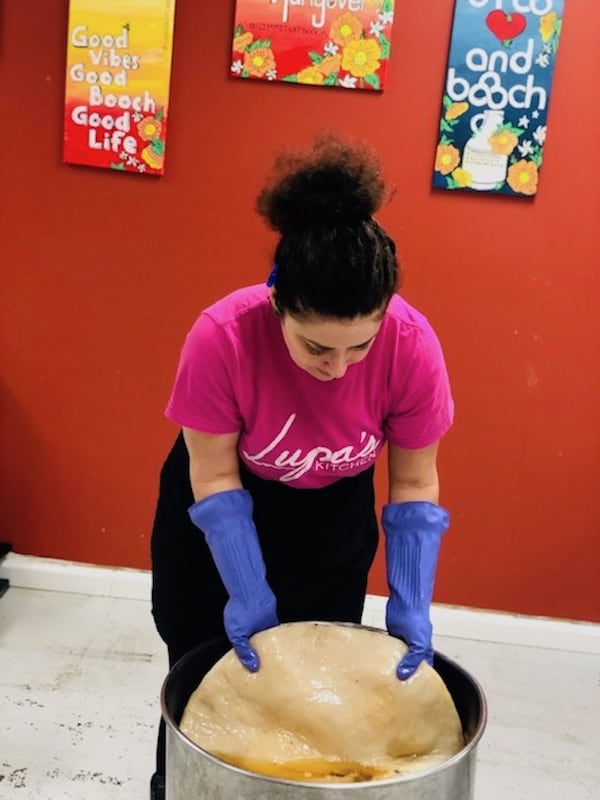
505	26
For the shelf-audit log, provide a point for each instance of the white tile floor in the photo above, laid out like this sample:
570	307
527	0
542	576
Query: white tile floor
80	678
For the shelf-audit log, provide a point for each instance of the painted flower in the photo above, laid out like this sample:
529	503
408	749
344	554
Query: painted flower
237	67
311	75
547	23
141	168
523	121
446	158
137	116
543	60
522	177
348	82
376	28
149	128
539	134
123	155
462	177
331	49
345	29
152	158
503	142
330	64
271	75
241	42
526	148
132	161
259	61
361	57
535	114
456	110
386	17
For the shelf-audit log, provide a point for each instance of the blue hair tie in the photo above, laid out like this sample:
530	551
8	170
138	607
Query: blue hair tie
273	275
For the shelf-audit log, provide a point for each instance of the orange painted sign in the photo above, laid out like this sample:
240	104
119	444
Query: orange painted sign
117	84
344	43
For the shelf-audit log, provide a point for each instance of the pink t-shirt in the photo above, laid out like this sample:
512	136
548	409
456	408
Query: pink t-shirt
235	375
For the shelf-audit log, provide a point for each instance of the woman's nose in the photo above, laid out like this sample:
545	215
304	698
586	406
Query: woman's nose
336	366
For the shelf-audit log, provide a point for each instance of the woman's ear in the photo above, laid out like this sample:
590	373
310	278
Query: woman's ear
274	303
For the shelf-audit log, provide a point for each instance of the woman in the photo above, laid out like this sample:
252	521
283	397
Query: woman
286	394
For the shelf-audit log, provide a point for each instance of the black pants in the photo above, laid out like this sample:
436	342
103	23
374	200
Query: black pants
318	546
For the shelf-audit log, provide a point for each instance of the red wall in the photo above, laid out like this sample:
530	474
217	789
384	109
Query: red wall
103	273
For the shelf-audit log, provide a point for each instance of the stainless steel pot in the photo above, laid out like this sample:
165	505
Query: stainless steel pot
194	774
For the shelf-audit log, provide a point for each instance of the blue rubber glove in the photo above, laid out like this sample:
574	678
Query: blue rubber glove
413	532
226	520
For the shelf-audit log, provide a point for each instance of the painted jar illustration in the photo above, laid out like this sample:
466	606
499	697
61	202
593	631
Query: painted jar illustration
486	167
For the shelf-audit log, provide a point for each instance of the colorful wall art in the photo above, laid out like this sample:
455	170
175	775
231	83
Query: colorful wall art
117	84
343	43
493	125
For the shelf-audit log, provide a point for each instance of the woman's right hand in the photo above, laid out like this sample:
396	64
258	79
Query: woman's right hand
242	620
225	518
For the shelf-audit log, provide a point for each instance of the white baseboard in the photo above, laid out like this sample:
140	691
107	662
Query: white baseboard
55	575
49	574
500	627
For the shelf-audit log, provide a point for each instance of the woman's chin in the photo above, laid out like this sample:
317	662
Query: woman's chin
321	376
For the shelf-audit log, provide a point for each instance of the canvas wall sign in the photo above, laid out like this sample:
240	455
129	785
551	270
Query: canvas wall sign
344	43
493	124
117	84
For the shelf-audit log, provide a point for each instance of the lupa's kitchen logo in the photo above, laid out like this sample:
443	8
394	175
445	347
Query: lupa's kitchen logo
295	464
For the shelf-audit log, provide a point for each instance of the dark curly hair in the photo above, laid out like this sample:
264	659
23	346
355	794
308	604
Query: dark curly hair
333	259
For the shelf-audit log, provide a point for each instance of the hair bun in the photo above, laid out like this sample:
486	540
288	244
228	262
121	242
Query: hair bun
334	184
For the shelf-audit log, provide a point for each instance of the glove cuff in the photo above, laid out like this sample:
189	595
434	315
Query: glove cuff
215	514
225	518
413	533
415	521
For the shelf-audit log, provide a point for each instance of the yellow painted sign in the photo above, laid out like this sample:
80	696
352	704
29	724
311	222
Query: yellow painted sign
117	84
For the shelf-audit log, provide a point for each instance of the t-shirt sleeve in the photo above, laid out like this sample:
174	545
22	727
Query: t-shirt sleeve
203	398
422	409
